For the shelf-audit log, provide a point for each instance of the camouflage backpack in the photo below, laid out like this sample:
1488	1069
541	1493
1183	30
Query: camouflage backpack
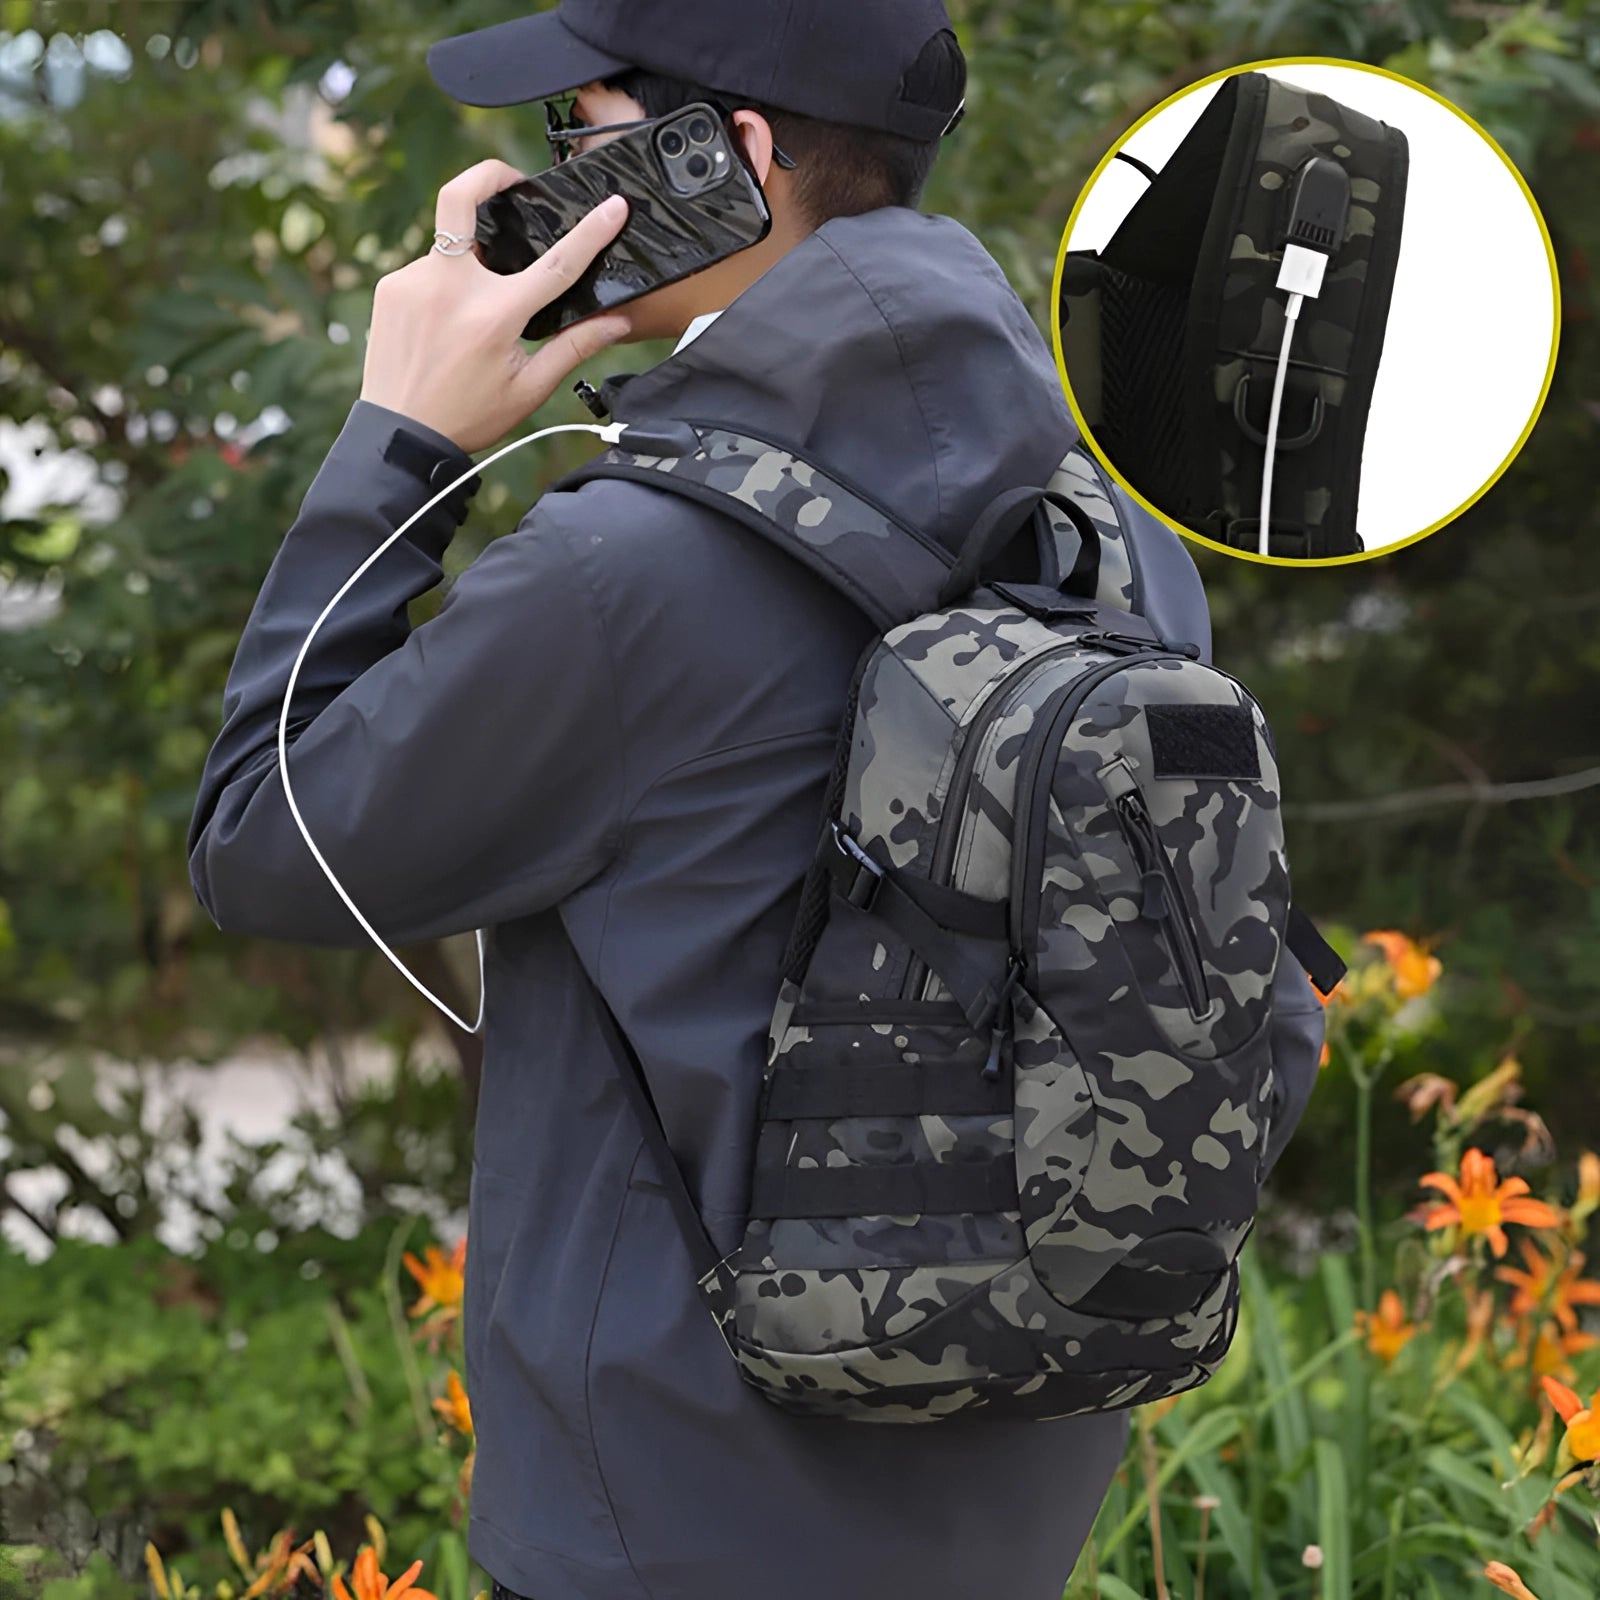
1170	334
1019	1088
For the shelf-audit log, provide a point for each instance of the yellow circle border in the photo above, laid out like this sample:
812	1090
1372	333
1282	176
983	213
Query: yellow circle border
1313	561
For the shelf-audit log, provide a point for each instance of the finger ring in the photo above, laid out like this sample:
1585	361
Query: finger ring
454	238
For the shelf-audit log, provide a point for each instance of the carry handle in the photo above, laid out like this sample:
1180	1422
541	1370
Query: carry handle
1000	523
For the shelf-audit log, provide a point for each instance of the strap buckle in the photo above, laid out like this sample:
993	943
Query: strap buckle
1290	541
859	887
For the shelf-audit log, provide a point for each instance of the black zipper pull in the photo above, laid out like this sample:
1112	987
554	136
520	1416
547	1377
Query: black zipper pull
1002	1021
1162	900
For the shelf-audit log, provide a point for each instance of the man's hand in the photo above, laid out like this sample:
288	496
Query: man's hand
443	347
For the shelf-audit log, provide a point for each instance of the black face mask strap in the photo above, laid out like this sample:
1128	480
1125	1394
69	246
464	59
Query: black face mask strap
562	130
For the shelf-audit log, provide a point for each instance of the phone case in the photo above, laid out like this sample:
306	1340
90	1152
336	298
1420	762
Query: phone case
667	236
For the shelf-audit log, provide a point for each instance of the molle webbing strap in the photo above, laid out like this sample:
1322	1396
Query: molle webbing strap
935	1188
889	570
930	1088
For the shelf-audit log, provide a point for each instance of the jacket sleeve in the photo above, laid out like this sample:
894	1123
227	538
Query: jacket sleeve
455	776
1298	1024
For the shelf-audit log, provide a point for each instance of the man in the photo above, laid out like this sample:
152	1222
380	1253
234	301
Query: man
609	750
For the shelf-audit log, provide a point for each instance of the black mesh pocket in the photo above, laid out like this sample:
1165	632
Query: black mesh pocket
1141	333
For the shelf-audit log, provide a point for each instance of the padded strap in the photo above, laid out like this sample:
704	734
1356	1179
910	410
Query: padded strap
923	1188
888	569
1321	961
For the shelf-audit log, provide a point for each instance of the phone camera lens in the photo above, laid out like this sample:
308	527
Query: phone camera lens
672	143
697	166
701	131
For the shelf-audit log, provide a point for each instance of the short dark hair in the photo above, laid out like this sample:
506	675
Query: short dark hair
840	170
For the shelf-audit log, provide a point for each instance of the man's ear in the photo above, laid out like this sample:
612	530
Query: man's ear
755	132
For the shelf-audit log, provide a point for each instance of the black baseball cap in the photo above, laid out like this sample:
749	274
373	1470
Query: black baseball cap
838	60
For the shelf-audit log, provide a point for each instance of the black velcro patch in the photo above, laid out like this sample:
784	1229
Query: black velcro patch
1204	742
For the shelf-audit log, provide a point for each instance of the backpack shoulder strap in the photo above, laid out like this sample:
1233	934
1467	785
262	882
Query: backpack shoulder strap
890	570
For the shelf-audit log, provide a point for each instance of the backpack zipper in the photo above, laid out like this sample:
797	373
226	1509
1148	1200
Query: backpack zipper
1027	835
948	832
1163	899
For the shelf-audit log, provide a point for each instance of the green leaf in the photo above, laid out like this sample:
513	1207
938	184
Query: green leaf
1570	76
1472	1481
1286	1403
1113	1588
1333	1521
1231	1520
1208	1433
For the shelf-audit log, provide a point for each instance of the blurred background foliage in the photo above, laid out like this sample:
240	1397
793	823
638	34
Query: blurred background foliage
196	198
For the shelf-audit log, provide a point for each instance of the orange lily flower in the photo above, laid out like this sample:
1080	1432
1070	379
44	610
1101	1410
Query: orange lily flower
1478	1204
1413	970
1588	1200
1583	1425
441	1277
281	1565
454	1406
370	1584
1550	1351
1508	1580
1387	1330
1542	1285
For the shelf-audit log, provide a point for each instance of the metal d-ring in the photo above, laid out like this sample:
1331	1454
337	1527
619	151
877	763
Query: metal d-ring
1251	432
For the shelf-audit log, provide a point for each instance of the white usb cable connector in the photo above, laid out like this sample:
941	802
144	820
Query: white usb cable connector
1302	270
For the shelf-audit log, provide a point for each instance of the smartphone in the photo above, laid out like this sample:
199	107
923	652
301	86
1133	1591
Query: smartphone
692	202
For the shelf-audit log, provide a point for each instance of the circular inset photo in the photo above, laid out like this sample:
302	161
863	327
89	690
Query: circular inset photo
1306	311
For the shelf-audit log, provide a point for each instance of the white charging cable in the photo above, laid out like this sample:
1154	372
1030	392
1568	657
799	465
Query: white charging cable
611	433
1301	274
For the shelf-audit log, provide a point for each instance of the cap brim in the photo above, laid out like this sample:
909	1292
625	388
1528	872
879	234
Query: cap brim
528	58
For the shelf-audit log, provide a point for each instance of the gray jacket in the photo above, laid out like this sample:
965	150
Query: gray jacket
609	751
